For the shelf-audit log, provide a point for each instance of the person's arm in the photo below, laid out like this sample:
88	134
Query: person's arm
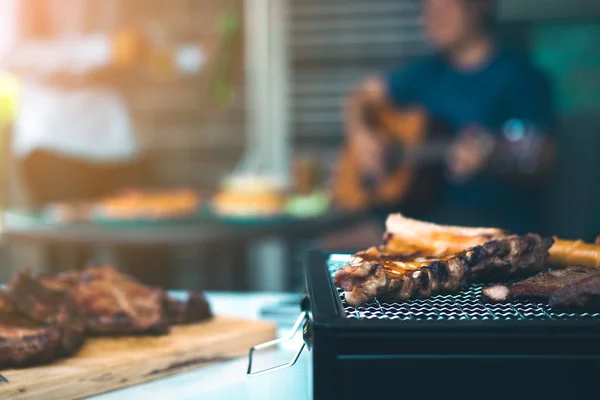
398	87
529	160
81	60
525	153
368	148
77	55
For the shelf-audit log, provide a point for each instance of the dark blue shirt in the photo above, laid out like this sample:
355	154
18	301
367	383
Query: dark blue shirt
507	87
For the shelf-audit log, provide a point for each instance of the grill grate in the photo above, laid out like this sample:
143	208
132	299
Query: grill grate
462	306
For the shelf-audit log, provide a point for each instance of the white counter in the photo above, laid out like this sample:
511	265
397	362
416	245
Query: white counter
228	380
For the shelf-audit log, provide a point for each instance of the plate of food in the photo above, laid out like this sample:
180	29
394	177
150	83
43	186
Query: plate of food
250	199
149	207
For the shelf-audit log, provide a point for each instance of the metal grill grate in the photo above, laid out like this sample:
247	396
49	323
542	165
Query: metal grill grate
465	305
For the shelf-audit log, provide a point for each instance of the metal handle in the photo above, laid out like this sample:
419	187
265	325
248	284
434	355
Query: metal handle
301	319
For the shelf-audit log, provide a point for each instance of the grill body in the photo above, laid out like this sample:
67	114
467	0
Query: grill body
449	345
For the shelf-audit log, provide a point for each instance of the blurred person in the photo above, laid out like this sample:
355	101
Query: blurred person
72	138
478	88
72	134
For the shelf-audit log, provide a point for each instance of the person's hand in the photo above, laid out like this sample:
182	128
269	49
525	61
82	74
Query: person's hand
367	147
368	150
469	154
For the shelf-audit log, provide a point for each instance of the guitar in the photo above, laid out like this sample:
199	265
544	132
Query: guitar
422	149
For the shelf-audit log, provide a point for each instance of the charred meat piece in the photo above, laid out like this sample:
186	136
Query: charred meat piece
194	309
61	282
395	277
509	258
48	300
24	342
113	303
375	273
583	295
176	311
537	288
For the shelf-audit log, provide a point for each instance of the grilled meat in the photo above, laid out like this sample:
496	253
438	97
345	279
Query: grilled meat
378	272
23	341
537	288
406	236
114	303
510	258
48	300
374	273
45	317
194	309
409	236
573	288
583	295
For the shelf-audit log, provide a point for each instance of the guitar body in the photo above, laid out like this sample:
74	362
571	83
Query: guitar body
409	128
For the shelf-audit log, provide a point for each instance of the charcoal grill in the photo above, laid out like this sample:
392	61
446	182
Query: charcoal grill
447	345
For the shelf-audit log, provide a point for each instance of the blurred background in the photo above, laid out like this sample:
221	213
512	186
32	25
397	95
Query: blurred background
222	122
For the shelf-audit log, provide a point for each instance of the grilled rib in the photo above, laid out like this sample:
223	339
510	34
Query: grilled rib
374	273
421	259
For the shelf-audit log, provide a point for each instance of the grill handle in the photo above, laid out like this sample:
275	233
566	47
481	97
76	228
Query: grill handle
299	323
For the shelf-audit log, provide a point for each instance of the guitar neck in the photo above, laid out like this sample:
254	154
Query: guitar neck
435	153
397	126
428	154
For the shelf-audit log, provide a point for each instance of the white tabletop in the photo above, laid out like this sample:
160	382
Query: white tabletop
228	380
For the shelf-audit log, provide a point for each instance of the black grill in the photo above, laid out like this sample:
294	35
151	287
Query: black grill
447	345
465	305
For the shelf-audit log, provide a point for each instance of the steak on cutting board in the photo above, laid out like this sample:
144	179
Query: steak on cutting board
194	308
23	341
48	300
113	303
559	288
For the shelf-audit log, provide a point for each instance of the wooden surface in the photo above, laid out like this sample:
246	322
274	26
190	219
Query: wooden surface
105	364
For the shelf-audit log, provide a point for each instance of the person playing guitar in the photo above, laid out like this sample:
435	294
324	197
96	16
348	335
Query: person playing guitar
497	105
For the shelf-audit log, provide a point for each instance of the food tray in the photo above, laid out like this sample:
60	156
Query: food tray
141	222
249	220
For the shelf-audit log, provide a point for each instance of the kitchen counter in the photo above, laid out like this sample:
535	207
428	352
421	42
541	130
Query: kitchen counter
228	380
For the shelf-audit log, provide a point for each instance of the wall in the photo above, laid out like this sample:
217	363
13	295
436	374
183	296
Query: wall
333	46
195	141
569	53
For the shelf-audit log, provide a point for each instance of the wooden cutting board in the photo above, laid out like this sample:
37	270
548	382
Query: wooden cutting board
105	364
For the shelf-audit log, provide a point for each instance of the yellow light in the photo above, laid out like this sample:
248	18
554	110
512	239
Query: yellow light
9	95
